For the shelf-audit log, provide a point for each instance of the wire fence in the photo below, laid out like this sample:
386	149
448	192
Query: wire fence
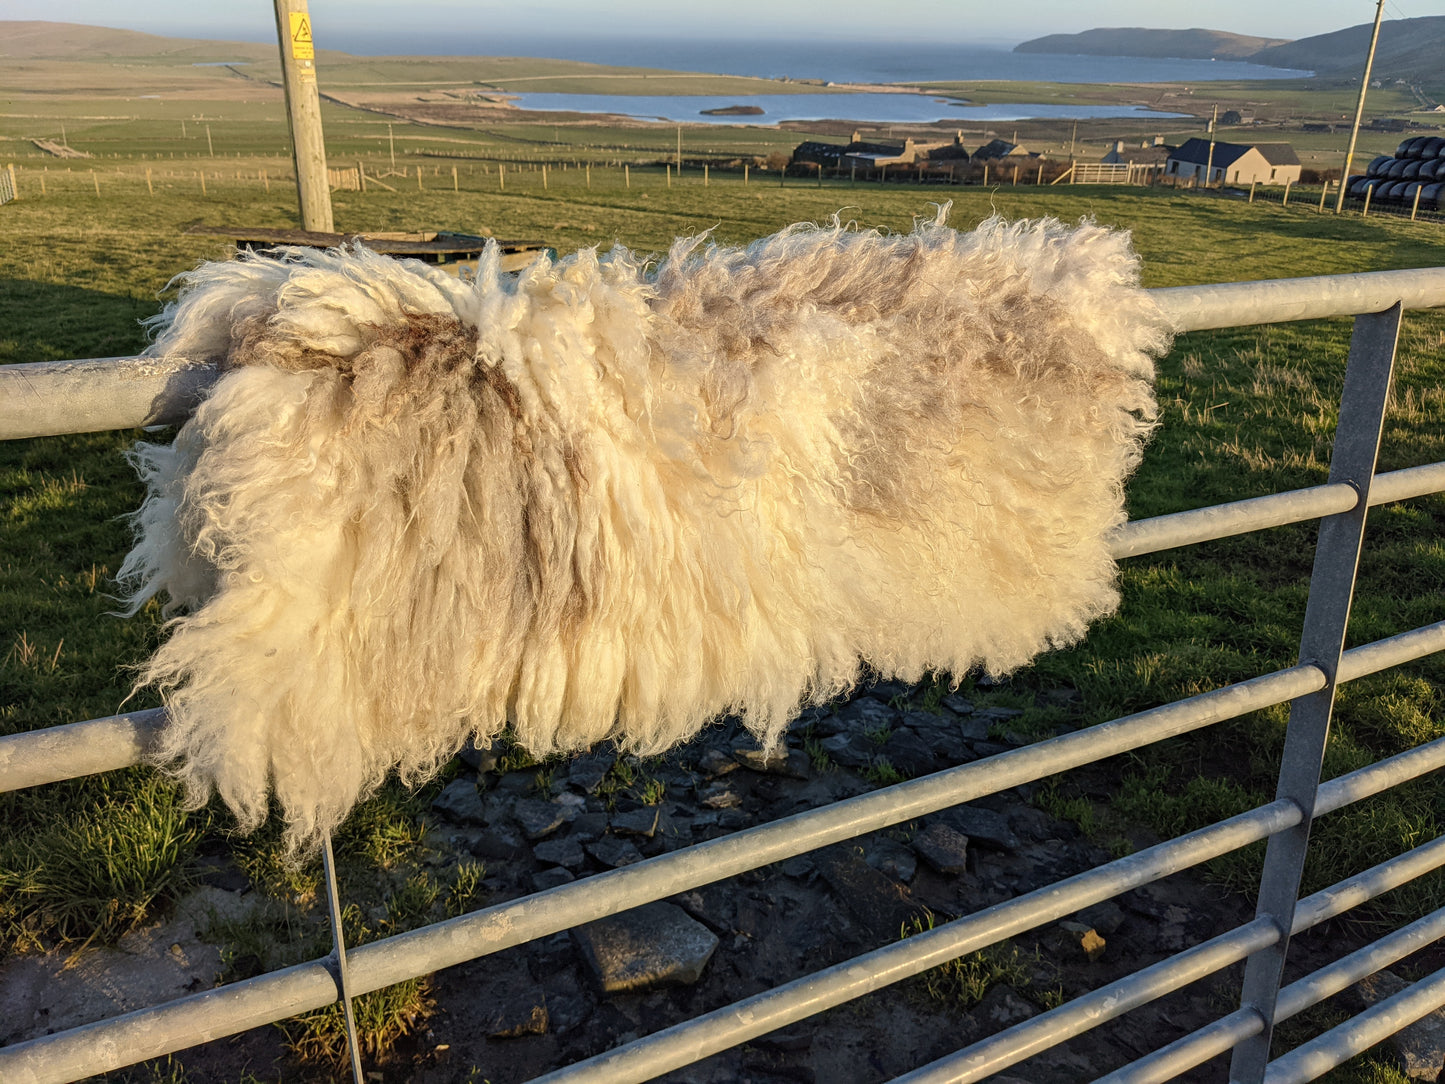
91	395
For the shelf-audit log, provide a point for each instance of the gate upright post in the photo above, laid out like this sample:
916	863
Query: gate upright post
1327	613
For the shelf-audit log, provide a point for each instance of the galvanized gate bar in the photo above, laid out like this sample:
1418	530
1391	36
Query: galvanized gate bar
1391	651
1176	529
1277	301
123	1040
1327	616
149	1033
55	753
1088	1011
49	398
121	741
682	1044
1356	1035
67	397
1225	520
1015	1044
726	1027
55	398
1220	1036
1380	776
1399	485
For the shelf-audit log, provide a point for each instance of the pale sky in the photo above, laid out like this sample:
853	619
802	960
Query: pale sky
901	20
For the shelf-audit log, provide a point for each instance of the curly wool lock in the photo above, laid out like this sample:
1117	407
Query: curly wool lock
600	500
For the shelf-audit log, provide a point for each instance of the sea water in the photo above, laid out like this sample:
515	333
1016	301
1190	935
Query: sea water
868	108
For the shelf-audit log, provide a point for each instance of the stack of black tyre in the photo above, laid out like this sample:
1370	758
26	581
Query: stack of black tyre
1417	166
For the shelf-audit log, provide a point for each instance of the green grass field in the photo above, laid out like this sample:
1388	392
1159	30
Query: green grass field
1245	412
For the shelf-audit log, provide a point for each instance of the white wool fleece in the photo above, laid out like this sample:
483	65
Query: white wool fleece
600	500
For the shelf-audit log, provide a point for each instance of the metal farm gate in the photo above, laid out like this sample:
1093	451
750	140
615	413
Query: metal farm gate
84	396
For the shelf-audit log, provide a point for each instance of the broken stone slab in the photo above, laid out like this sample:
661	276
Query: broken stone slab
566	852
849	749
1106	917
459	802
887	691
523	1012
781	761
50	992
1002	1007
888	857
587	827
587	771
718	795
909	753
646	948
614	853
945	849
715	762
478	759
880	903
498	845
1420	1047
637	822
866	714
537	818
957	704
551	877
982	826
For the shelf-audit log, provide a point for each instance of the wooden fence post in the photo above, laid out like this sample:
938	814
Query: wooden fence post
668	166
1251	190
589	175
455	187
627	174
95	181
1323	193
1369	191
544	176
1285	202
1414	207
704	174
418	177
745	174
202	175
501	175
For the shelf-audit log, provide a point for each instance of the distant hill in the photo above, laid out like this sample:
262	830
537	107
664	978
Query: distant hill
1136	41
1409	49
1412	49
34	40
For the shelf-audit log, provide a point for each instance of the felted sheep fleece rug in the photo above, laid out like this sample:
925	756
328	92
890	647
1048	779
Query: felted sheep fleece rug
607	499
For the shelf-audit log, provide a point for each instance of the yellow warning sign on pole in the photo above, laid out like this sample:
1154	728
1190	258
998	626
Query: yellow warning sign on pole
302	47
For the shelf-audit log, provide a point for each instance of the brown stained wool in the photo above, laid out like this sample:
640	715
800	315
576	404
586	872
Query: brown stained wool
594	501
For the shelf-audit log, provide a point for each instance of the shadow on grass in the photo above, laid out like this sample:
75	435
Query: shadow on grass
42	321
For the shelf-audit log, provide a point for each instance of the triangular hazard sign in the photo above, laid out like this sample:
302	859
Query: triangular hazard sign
301	30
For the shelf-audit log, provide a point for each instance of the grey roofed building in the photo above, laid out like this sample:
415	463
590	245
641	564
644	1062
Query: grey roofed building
1234	163
1000	148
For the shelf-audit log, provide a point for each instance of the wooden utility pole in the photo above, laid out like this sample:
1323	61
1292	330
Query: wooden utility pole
1209	164
303	114
1360	107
